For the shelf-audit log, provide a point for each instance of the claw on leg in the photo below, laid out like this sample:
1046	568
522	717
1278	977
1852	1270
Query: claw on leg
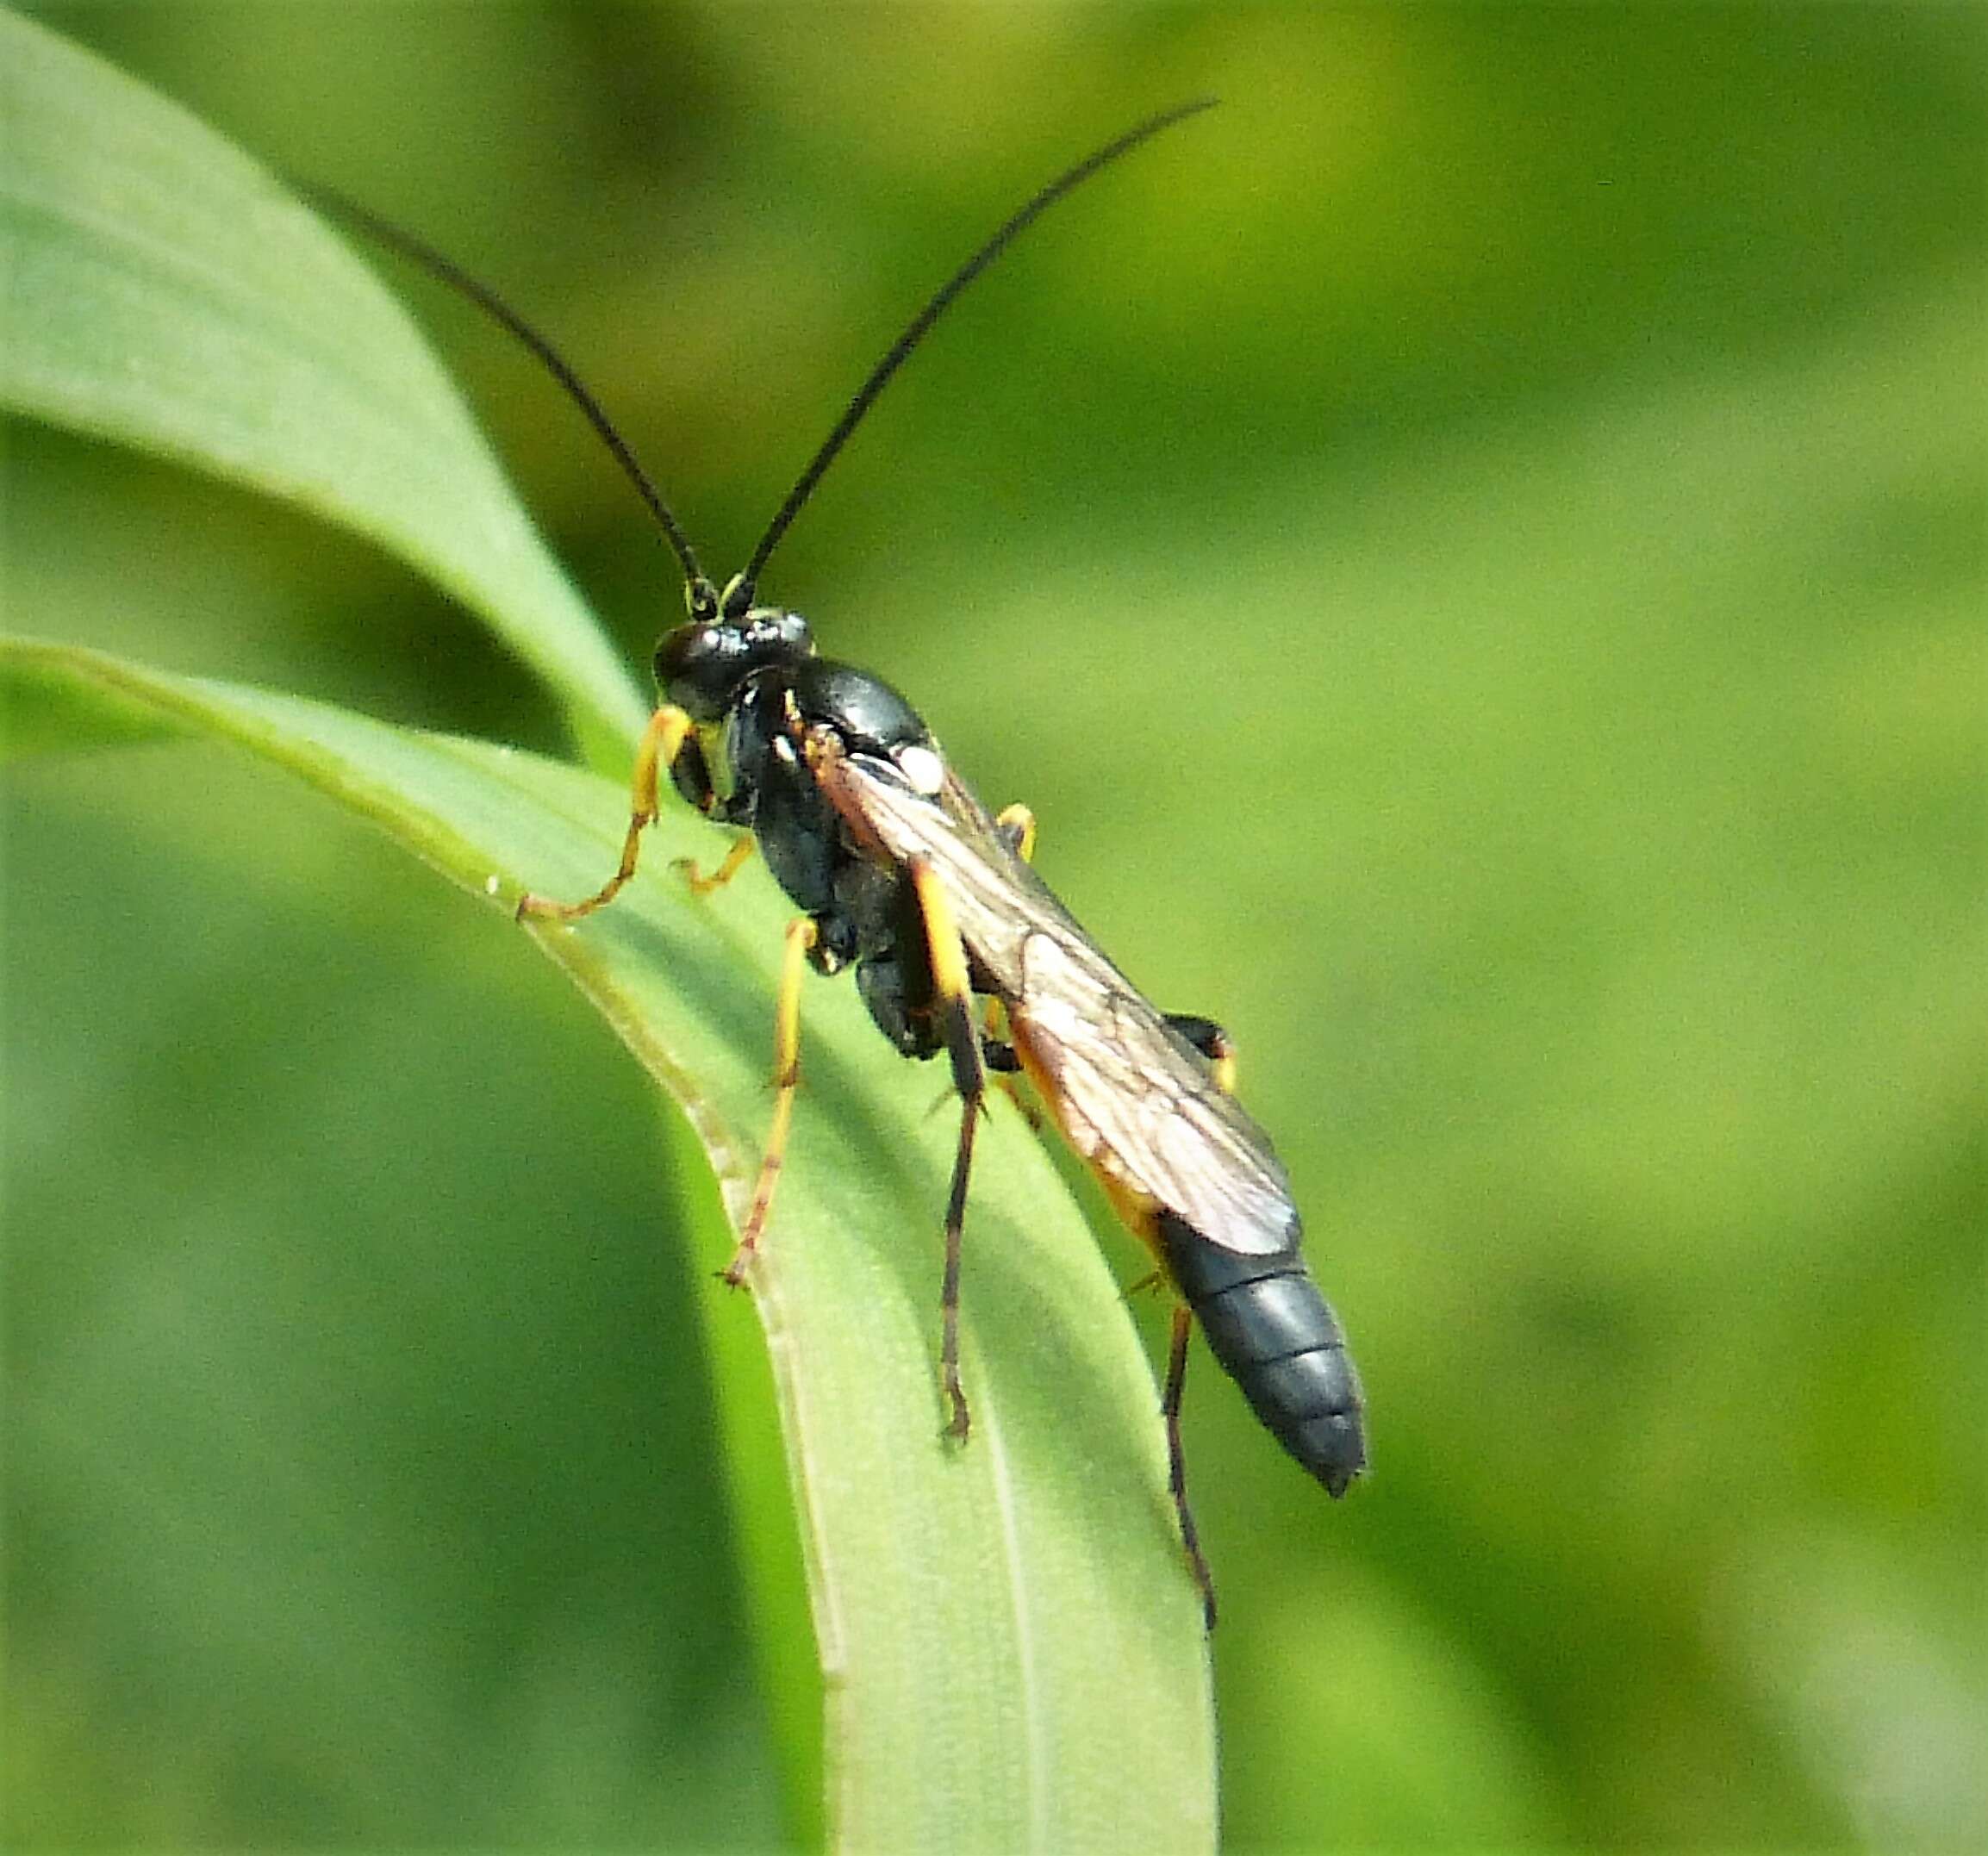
663	741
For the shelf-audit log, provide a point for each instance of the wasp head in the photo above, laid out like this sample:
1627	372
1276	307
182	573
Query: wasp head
702	663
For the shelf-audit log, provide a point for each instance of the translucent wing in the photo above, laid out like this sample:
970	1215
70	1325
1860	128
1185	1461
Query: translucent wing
1134	1098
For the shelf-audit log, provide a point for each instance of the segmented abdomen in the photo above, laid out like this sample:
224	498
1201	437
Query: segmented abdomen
1277	1338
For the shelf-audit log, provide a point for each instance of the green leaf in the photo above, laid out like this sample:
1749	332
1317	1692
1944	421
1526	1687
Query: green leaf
990	1618
1009	1645
165	291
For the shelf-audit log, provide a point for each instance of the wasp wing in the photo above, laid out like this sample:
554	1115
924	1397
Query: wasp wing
1134	1098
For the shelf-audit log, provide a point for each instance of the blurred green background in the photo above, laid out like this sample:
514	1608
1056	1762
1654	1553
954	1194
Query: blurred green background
1476	554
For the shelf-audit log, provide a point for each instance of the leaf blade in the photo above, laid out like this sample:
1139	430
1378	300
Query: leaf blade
989	1618
165	291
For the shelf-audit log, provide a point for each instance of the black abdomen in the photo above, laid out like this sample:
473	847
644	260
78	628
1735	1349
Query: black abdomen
1277	1338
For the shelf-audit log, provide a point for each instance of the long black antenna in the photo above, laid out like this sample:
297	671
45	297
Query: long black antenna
739	595
702	596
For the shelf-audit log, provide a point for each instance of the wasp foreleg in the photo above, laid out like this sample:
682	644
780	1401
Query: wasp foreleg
664	743
952	1003
702	885
800	939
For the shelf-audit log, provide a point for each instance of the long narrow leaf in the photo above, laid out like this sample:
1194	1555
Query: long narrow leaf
991	1622
1009	1636
163	290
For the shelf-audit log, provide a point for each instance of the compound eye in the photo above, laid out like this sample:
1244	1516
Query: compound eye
695	670
681	649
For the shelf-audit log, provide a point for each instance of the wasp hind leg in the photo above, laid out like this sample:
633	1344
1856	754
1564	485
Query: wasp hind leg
952	1007
801	936
667	741
1215	1044
1177	1461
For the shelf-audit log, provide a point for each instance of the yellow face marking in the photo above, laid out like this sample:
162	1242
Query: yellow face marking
717	762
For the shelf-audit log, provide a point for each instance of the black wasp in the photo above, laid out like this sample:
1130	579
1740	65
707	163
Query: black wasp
901	873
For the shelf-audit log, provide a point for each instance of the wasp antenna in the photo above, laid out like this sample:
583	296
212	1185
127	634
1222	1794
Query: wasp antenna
941	302
386	233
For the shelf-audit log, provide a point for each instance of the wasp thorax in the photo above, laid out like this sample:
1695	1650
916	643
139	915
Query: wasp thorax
865	712
700	666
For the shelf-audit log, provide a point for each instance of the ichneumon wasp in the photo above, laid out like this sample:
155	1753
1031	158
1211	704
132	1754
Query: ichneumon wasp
901	873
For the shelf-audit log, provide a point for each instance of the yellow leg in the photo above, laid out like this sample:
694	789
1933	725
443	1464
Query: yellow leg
786	1079
953	1001
702	885
662	741
1019	821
